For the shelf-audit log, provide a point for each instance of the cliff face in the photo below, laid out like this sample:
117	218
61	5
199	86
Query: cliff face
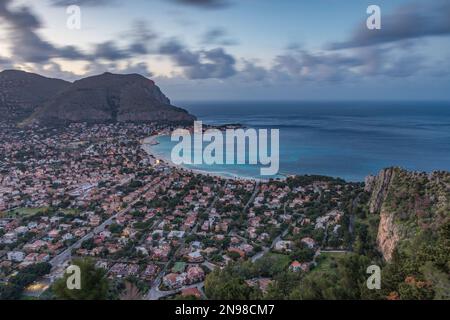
408	203
388	235
22	92
379	186
111	98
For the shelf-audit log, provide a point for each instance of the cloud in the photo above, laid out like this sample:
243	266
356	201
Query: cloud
109	50
141	36
323	66
29	47
87	3
410	21
26	44
206	4
201	64
218	36
5	63
251	72
98	68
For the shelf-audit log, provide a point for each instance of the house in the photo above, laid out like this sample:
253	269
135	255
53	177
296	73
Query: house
35	246
195	274
16	256
283	245
196	245
297	266
150	272
195	257
21	230
174	280
142	250
175	234
43	257
237	250
309	242
53	233
191	292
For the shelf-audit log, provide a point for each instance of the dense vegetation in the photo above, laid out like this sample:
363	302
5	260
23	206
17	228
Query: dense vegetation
14	288
94	284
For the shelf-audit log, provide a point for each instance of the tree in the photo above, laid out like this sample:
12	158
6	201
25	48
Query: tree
13	290
224	285
94	284
131	292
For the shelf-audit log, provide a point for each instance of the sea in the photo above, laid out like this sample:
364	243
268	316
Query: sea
347	140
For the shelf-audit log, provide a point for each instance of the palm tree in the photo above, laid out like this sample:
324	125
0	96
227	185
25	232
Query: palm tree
131	292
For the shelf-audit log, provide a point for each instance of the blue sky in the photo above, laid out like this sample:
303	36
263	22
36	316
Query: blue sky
240	49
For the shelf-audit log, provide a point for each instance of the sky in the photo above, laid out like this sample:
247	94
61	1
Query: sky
239	49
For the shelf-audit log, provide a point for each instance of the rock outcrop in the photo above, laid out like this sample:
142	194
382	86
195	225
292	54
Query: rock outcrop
379	188
110	98
22	92
388	235
408	203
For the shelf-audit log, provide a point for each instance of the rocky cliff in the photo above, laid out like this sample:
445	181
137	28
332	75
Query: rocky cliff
22	92
110	98
408	203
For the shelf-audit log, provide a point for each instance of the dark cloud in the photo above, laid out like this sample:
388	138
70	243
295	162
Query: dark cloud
394	61
141	36
207	4
397	60
87	3
26	44
202	64
109	50
304	65
412	21
251	72
218	36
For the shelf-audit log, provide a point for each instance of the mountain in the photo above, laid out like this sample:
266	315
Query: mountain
22	92
110	98
409	204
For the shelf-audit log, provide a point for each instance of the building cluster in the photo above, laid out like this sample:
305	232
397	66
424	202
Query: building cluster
93	190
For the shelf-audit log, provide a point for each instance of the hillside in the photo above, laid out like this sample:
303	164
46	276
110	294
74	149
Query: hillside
22	92
409	203
110	98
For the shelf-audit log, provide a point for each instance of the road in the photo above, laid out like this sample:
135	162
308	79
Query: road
66	254
154	293
259	255
252	198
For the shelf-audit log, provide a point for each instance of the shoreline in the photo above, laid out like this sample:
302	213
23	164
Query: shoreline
148	142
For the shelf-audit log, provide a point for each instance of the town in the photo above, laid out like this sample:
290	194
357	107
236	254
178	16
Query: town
91	191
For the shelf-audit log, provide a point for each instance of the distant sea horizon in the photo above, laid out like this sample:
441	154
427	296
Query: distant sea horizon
348	140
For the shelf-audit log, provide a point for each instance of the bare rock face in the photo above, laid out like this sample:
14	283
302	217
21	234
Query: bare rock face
369	183
388	235
380	187
22	92
111	98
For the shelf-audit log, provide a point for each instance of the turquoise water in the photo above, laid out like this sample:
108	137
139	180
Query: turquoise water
346	140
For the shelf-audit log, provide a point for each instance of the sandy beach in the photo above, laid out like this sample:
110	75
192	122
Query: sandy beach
151	141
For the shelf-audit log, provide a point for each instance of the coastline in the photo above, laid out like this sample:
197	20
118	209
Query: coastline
148	142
